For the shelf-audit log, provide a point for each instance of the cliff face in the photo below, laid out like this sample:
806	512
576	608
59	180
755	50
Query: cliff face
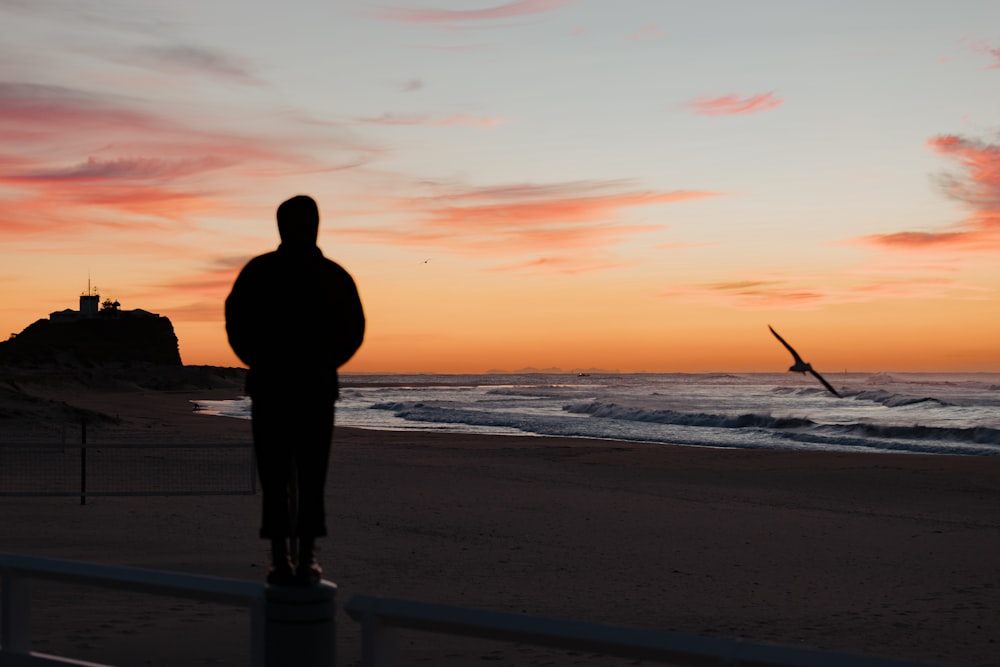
95	340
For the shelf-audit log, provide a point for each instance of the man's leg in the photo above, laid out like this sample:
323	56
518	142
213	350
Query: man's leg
312	462
274	465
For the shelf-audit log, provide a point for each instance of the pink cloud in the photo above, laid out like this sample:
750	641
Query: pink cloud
570	265
729	105
69	159
980	185
455	119
917	239
766	292
804	292
502	11
60	121
210	281
29	113
556	225
978	46
202	292
977	186
95	169
72	209
529	205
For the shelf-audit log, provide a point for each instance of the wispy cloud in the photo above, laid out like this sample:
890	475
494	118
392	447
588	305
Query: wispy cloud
650	31
764	293
200	295
571	265
96	169
918	240
62	121
195	60
117	159
995	54
412	85
91	16
728	105
445	16
218	274
977	186
519	206
981	47
164	48
811	292
446	120
29	112
543	226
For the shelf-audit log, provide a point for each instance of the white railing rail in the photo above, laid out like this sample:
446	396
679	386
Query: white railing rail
379	617
17	572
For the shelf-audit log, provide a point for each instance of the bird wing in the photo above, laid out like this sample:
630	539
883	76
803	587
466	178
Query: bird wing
795	354
825	383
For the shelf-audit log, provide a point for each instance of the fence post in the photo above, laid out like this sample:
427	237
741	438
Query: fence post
258	642
299	625
378	642
83	460
15	609
253	471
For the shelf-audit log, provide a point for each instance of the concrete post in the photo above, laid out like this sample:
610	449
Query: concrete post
299	625
15	609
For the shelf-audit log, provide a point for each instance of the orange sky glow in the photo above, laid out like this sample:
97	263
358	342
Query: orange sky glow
526	184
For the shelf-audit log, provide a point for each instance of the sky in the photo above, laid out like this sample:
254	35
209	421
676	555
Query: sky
634	186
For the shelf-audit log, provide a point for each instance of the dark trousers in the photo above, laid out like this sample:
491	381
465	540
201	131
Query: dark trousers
292	435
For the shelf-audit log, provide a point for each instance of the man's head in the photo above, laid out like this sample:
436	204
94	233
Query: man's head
298	221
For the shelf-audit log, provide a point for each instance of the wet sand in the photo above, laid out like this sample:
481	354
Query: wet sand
893	555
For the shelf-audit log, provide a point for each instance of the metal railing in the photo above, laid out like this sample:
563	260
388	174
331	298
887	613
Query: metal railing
17	572
380	617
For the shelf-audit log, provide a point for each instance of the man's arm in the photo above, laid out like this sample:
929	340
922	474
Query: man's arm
239	311
349	331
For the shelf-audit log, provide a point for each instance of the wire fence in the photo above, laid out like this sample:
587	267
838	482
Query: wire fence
122	469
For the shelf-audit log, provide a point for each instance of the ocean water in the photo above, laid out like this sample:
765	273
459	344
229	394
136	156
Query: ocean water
883	412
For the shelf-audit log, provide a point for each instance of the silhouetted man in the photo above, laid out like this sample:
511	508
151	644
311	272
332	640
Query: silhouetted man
294	317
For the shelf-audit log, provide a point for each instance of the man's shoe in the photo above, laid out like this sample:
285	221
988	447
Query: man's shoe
281	573
308	572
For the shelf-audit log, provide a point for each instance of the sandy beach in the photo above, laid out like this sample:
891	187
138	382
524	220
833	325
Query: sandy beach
892	555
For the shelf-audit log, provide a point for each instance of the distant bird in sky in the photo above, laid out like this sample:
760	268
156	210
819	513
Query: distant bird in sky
800	366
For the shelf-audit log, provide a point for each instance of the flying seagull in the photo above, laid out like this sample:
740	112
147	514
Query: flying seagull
800	366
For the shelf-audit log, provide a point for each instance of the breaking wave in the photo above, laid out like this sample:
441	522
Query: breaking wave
893	400
608	420
980	435
613	411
